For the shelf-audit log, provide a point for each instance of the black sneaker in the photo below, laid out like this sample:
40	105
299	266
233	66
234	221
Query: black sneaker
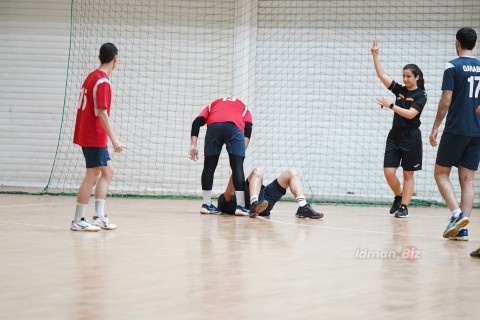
257	207
307	212
402	212
475	254
397	203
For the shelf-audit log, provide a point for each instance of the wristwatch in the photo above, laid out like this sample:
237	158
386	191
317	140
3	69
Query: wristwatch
391	105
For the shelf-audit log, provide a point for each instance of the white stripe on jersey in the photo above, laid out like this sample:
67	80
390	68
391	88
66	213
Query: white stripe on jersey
448	65
99	82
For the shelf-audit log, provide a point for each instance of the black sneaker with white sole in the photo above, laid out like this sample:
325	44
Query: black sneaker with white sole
307	212
397	203
402	212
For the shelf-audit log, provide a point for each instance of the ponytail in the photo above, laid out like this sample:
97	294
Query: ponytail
416	72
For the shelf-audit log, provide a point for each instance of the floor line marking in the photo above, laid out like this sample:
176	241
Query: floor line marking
28	205
360	230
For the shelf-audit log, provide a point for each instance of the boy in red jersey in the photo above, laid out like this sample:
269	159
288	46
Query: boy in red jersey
229	122
92	130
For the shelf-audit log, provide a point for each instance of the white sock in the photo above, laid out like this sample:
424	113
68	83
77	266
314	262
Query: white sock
240	195
80	211
253	199
456	212
301	201
100	208
207	197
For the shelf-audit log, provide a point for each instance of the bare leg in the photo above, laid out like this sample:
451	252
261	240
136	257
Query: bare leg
255	181
466	177
91	177
230	190
442	177
290	178
392	180
104	181
408	186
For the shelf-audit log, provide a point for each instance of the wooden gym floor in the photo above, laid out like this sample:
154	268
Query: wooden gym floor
166	261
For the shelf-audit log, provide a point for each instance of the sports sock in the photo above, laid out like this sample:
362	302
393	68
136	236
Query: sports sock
240	195
80	211
253	199
301	201
207	197
100	208
456	212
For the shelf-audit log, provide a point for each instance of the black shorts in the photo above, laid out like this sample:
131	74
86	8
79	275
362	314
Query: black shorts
458	151
96	157
227	133
404	147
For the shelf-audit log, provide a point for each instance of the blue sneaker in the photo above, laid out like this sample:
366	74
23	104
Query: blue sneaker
241	211
462	235
455	225
209	209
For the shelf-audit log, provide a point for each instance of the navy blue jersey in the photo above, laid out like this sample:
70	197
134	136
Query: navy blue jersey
462	77
407	99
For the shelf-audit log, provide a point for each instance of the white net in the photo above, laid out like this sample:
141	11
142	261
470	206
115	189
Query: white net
303	67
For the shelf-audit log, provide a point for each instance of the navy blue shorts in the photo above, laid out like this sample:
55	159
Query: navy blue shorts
227	133
272	193
95	157
458	151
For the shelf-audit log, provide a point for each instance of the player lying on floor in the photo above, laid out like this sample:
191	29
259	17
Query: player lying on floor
263	198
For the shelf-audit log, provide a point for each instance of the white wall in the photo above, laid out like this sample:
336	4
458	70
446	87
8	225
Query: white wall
303	67
34	43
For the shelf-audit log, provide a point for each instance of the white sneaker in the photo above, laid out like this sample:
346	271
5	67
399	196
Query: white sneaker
241	211
104	223
83	225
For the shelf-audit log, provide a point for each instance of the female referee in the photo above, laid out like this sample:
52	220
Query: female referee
404	141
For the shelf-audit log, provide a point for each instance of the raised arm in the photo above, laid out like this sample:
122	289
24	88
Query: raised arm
384	78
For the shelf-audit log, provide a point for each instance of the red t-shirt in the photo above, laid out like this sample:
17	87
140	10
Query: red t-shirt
227	110
95	94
